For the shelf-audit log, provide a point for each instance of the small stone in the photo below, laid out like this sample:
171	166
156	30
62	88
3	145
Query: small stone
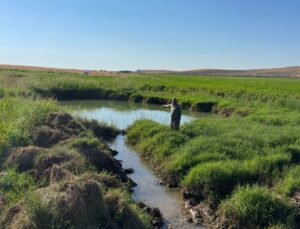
156	223
113	152
147	209
160	182
189	219
156	212
129	170
196	216
141	205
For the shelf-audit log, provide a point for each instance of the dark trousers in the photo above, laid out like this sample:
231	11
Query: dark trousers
175	125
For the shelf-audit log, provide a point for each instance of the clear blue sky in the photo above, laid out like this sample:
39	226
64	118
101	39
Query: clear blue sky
150	34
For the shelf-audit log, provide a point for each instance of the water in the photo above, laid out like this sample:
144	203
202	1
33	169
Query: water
122	115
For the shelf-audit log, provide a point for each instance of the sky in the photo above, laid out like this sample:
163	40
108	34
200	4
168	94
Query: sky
150	34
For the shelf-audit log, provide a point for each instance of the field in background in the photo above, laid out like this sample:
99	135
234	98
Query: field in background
271	72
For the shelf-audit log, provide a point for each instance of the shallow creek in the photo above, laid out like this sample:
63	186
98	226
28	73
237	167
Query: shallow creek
148	189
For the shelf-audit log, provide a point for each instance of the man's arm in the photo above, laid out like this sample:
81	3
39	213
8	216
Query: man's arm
167	105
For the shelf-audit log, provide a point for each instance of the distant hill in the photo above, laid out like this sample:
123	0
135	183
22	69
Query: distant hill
272	72
58	70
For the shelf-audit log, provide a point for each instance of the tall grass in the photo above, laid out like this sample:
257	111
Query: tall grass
241	95
256	207
290	183
18	116
15	185
211	157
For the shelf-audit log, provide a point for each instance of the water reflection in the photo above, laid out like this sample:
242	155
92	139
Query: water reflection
124	114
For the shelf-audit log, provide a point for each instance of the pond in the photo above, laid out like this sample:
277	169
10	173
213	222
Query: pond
148	189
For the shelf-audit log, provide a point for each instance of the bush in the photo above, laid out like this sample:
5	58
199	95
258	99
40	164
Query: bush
252	207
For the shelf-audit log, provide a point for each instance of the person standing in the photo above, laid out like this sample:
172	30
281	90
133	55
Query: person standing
175	114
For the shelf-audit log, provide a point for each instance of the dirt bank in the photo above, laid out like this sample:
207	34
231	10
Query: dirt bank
73	180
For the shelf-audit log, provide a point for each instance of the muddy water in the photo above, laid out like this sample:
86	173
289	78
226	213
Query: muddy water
122	115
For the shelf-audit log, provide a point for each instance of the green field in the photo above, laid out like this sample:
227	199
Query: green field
243	162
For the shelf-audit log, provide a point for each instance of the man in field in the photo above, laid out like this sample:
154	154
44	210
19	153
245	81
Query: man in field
175	114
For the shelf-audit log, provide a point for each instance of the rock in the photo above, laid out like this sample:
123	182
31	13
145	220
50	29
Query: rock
129	170
196	216
172	185
113	153
160	182
154	213
141	205
157	223
189	219
190	202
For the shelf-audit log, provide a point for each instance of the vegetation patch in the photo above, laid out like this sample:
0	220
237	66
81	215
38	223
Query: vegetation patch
13	186
209	158
255	207
18	116
290	184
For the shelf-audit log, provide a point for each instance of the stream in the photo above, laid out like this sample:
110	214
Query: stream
148	189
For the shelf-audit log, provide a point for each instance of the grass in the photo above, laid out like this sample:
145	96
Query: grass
255	206
240	95
290	183
243	161
14	185
211	157
18	116
214	181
